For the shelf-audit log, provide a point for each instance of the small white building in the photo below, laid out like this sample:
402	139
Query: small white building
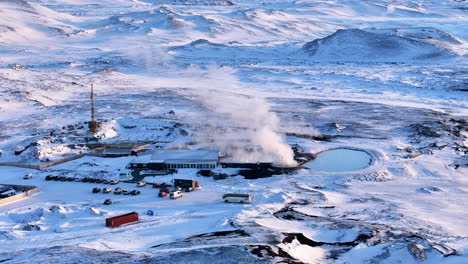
177	159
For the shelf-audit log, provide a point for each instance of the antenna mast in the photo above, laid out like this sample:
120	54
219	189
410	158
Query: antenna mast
92	124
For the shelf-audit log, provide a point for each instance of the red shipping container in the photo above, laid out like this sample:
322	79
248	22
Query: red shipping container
122	219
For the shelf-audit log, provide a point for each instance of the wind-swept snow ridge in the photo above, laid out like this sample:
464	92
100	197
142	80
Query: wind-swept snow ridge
376	46
23	21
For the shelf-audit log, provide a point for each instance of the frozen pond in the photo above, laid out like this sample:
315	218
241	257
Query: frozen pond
337	160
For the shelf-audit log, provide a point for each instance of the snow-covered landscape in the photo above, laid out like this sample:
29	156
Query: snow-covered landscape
357	111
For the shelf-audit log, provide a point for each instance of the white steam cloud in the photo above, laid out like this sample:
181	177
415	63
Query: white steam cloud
240	125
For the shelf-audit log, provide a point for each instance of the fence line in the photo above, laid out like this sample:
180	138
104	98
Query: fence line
41	166
27	191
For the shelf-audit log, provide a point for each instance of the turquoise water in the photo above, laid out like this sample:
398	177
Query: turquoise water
338	160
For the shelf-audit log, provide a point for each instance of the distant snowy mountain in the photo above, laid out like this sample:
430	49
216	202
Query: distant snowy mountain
192	2
383	46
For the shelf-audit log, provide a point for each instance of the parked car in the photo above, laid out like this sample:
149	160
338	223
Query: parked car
86	179
92	180
70	179
156	185
27	176
49	177
237	198
125	192
162	194
118	190
6	192
100	180
188	189
166	190
96	190
114	182
107	202
62	178
107	190
135	192
141	184
175	194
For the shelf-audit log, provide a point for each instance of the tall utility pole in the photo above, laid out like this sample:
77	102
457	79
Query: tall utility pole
92	124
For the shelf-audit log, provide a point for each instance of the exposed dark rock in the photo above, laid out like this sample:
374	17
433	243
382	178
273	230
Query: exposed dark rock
264	250
17	67
31	227
417	251
423	130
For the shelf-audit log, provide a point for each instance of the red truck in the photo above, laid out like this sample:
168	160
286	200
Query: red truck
122	219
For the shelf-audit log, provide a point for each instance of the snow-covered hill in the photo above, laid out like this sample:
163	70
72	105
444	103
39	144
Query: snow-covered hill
396	45
36	22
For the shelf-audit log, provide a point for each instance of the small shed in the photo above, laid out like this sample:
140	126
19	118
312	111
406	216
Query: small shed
183	183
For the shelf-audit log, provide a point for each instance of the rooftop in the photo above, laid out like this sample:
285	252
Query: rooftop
117	151
182	154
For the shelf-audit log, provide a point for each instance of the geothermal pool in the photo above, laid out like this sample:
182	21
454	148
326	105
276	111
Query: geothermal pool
339	160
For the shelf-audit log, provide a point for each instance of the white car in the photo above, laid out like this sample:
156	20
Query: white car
27	176
175	194
237	198
141	184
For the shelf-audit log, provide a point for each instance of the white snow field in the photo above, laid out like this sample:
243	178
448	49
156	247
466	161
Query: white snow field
251	79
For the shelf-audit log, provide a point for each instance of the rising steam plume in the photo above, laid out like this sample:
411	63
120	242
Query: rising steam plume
238	124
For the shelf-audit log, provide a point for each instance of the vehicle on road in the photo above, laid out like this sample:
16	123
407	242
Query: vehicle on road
107	202
27	176
96	190
107	190
118	190
141	184
135	192
237	198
